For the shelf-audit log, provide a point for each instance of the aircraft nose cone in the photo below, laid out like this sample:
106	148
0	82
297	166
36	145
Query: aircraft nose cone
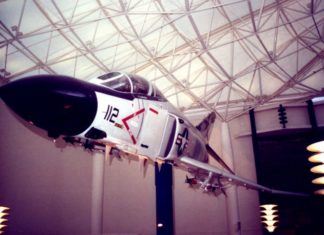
59	104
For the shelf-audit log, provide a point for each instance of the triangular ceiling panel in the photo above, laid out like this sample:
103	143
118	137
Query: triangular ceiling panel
223	56
19	61
31	18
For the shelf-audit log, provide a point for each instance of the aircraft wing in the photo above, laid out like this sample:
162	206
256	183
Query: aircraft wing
209	169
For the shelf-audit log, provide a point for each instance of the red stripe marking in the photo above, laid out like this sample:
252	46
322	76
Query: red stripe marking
133	139
154	111
132	115
126	119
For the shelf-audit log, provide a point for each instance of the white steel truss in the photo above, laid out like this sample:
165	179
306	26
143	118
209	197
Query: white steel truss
222	56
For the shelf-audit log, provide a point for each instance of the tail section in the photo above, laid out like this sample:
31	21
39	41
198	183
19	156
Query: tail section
206	125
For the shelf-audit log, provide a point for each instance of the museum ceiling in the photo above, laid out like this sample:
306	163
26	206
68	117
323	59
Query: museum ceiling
223	56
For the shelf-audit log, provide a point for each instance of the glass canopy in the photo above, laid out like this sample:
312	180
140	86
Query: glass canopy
129	83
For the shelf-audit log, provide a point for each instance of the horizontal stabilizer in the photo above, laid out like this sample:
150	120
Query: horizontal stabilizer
236	179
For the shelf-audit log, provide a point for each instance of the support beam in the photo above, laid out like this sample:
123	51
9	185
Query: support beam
232	205
97	193
315	132
312	115
164	199
255	144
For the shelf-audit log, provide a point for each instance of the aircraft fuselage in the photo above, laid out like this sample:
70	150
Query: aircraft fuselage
119	110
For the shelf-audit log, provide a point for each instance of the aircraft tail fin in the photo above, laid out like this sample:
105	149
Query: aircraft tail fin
214	155
206	125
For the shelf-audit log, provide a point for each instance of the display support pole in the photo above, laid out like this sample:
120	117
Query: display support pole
312	115
164	199
255	144
313	121
233	216
98	170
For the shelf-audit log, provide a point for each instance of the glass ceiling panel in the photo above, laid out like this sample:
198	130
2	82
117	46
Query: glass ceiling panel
223	56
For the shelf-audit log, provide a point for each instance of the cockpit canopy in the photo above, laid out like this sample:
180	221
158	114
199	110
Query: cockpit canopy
129	83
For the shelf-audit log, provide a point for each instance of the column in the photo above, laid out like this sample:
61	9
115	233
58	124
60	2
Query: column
233	216
164	199
98	173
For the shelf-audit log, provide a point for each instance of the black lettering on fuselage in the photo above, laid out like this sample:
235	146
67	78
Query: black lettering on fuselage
111	114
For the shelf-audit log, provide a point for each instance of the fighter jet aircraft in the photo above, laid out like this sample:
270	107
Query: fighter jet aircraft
122	113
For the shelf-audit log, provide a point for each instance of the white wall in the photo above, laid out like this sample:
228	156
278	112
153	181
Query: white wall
46	187
319	112
129	201
248	200
297	116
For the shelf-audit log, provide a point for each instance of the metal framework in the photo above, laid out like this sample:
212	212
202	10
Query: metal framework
223	56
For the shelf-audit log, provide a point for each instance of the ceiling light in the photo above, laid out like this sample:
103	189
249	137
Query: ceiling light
316	147
317	158
269	212
319	192
269	218
319	180
271	222
3	213
271	228
318	169
268	206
